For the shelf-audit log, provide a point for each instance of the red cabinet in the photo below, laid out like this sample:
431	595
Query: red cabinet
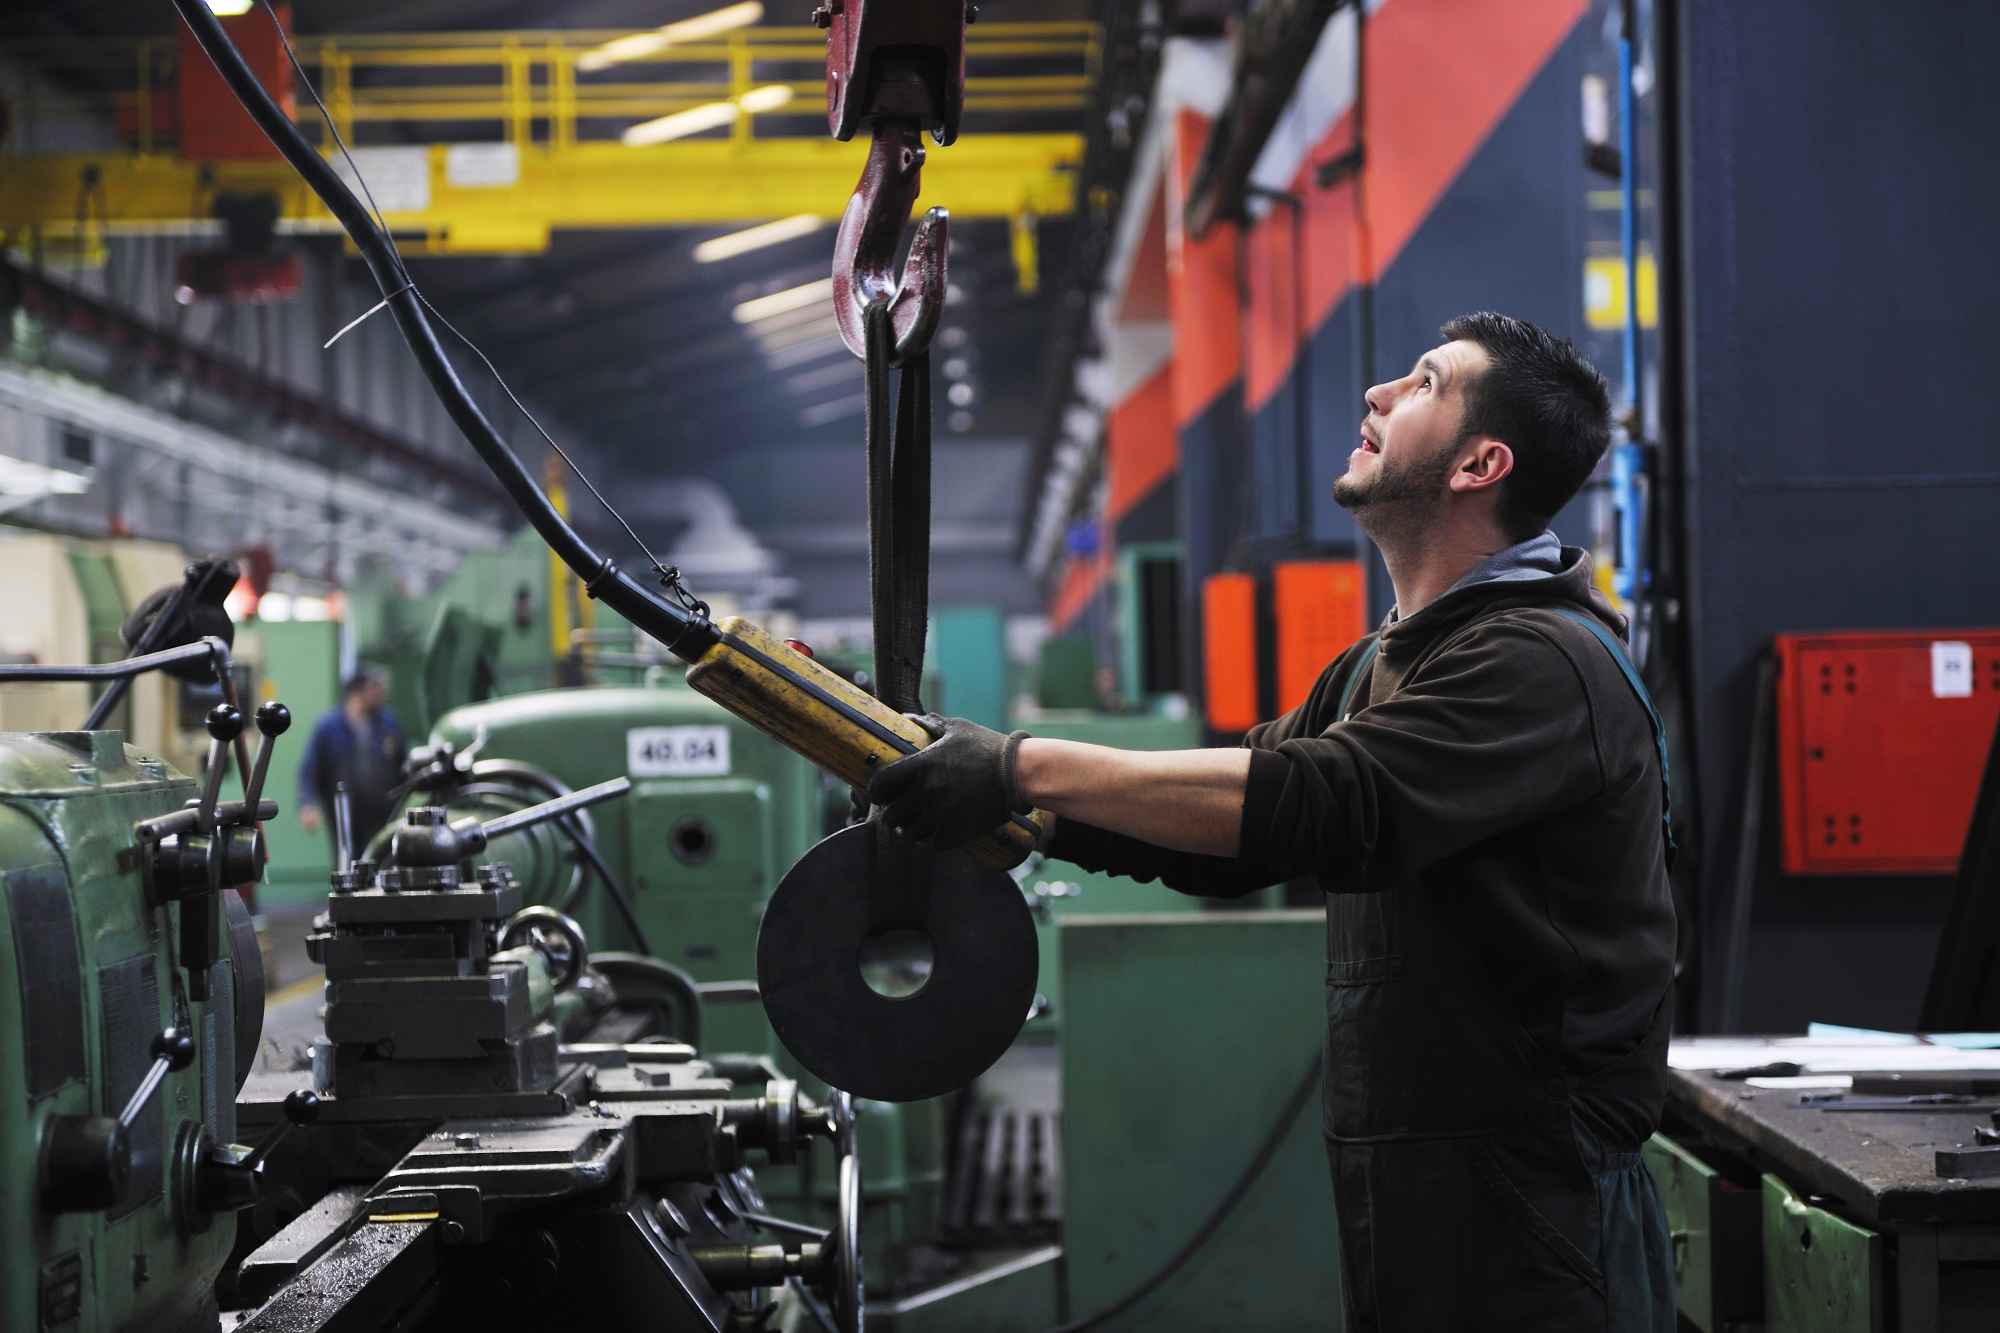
1882	738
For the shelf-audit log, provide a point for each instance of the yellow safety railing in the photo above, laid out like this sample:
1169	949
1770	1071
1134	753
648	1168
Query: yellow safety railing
525	87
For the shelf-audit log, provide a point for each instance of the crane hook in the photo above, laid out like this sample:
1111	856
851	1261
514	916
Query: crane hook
864	249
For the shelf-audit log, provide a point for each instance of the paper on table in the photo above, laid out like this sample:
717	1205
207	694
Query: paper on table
1848	1036
1819	1055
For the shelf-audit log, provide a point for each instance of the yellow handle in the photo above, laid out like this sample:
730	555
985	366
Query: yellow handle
836	724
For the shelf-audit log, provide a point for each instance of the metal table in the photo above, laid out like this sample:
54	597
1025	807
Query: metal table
1899	1248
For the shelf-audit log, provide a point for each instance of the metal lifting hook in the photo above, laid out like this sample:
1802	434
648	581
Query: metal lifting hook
897	66
864	249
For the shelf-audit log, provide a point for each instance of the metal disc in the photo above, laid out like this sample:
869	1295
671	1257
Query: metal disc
860	886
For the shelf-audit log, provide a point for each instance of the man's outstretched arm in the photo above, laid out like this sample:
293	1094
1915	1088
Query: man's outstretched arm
1184	800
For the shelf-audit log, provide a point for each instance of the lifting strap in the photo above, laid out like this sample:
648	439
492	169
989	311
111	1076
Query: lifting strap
1631	674
1361	665
899	514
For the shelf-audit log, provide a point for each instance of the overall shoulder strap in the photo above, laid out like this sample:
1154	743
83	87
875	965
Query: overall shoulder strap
1631	674
1354	675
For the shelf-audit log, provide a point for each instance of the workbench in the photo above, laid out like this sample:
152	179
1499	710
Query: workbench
1791	1216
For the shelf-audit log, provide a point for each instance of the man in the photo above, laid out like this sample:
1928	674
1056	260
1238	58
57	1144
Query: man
359	744
1479	789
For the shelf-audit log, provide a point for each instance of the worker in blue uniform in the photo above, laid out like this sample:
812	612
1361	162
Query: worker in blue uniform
359	744
1479	787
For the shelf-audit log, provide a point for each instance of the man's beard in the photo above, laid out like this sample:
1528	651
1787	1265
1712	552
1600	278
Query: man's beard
1396	499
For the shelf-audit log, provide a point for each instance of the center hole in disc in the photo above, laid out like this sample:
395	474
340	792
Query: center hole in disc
896	963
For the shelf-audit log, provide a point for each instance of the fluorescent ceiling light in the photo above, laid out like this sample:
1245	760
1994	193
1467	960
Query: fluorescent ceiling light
756	238
642	44
806	353
820	379
778	303
767	98
229	9
20	477
821	413
707	116
794	319
793	335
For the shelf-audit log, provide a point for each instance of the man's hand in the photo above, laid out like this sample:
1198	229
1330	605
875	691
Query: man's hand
309	818
954	789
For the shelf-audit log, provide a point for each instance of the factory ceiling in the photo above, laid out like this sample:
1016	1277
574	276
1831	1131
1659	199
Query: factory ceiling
632	343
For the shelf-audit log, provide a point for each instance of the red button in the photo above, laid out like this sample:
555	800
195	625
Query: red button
799	647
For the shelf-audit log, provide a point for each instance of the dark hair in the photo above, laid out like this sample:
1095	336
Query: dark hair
1546	402
358	682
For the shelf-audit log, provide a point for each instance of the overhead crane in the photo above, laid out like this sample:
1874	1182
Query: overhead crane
526	145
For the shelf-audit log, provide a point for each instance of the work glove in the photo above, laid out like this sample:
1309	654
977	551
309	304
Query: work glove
954	789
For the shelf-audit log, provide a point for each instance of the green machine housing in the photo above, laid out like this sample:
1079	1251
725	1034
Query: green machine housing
717	814
89	976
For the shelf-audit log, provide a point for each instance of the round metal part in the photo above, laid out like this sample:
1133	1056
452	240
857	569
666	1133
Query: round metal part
848	1293
840	1115
555	936
859	886
246	959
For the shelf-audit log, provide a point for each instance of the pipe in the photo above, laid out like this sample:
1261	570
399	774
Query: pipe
685	634
211	648
1632	577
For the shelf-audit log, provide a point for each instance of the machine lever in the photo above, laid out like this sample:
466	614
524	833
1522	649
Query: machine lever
226	1178
475	836
273	721
224	725
301	1108
86	1160
343	829
173	1049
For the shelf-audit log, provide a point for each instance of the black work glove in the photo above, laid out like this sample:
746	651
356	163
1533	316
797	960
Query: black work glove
954	789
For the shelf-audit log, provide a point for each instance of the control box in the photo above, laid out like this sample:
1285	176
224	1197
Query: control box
1882	739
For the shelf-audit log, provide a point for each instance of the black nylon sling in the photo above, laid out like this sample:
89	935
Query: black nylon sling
899	515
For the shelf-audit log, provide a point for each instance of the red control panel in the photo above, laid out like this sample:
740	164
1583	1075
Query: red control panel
1882	739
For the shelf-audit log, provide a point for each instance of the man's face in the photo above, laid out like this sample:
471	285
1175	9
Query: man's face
1410	437
373	695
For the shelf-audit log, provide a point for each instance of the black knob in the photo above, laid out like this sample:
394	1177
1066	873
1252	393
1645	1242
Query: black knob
224	723
302	1107
174	1046
86	1163
273	718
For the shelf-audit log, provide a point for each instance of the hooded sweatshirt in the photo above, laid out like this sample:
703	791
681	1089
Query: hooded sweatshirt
1486	823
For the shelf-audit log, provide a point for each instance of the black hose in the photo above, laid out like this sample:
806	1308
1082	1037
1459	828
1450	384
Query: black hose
641	977
684	634
501	770
588	850
1217	1215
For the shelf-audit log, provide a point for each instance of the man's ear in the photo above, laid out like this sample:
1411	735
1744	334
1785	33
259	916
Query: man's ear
1484	463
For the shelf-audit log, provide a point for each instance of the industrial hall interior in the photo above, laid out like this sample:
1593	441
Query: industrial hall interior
795	666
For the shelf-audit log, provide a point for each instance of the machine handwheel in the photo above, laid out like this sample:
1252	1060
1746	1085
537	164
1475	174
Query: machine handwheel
848	1291
555	935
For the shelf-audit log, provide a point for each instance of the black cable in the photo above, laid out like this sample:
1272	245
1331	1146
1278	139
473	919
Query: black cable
588	851
409	283
1217	1215
624	969
684	633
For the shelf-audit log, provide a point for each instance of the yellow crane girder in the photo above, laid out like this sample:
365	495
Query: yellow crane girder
501	198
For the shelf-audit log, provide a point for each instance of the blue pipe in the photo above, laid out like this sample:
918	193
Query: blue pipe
1628	461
